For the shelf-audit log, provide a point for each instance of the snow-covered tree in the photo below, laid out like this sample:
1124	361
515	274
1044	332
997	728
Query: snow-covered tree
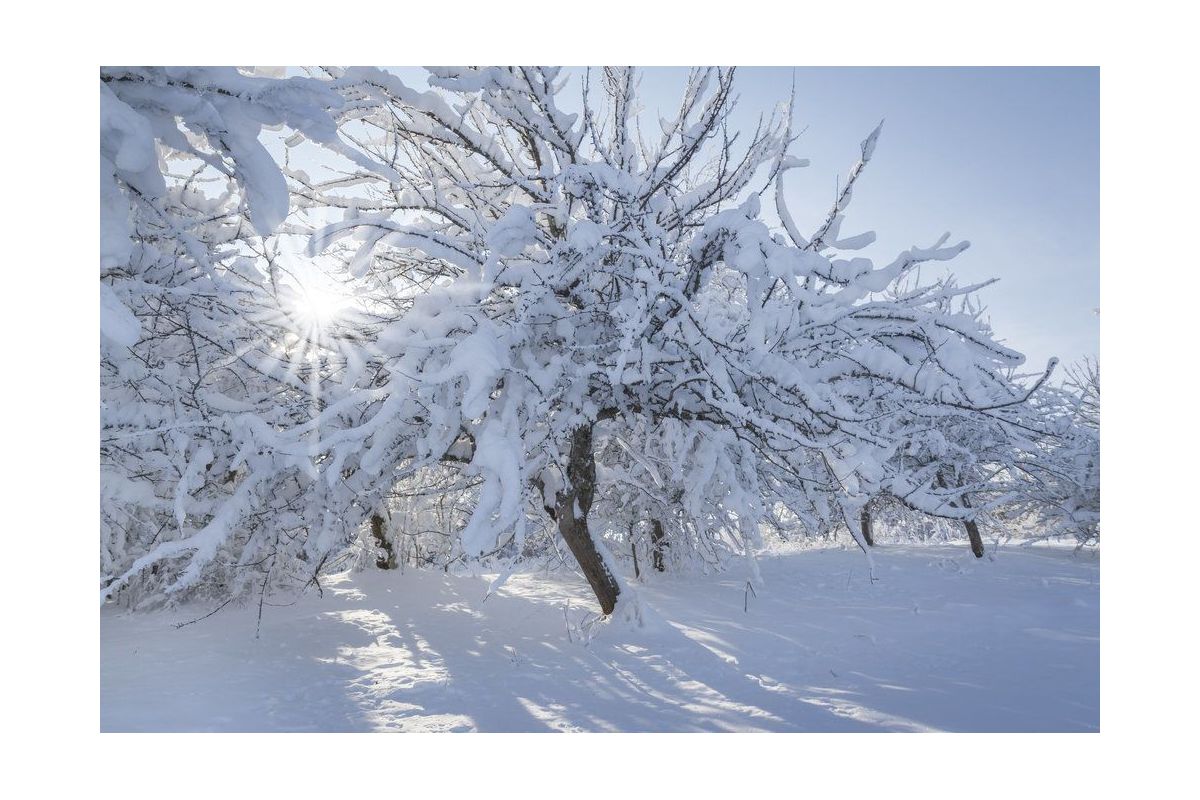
203	356
572	279
563	309
1054	487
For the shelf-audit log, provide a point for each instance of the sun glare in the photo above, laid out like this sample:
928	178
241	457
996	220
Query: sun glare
317	308
321	307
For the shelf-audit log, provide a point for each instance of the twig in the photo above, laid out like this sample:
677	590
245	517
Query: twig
179	625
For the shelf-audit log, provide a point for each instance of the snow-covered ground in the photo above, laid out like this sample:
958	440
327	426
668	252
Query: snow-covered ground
939	642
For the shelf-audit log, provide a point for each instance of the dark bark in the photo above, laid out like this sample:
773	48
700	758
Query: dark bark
637	572
387	559
970	525
658	541
572	506
973	531
865	520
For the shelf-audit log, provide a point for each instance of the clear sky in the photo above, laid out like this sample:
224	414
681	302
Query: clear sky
1006	157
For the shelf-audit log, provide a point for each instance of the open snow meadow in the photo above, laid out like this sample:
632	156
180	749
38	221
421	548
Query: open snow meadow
940	641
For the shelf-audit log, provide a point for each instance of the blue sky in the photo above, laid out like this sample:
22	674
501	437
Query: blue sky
1006	157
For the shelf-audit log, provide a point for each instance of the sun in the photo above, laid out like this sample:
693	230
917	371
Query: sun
314	308
319	307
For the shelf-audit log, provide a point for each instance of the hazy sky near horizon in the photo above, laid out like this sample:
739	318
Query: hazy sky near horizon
1005	157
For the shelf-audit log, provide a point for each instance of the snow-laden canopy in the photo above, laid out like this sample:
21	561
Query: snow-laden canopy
587	323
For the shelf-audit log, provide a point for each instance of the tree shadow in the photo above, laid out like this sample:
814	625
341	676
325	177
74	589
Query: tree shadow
510	664
1012	649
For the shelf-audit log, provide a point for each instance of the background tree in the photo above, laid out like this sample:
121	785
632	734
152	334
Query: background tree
1055	486
206	355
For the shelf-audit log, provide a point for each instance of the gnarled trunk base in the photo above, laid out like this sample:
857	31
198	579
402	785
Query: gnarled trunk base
971	526
973	535
865	521
572	505
658	540
387	560
973	531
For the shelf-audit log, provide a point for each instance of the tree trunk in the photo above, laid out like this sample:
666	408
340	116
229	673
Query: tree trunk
387	560
572	506
973	531
658	541
637	572
971	526
865	520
